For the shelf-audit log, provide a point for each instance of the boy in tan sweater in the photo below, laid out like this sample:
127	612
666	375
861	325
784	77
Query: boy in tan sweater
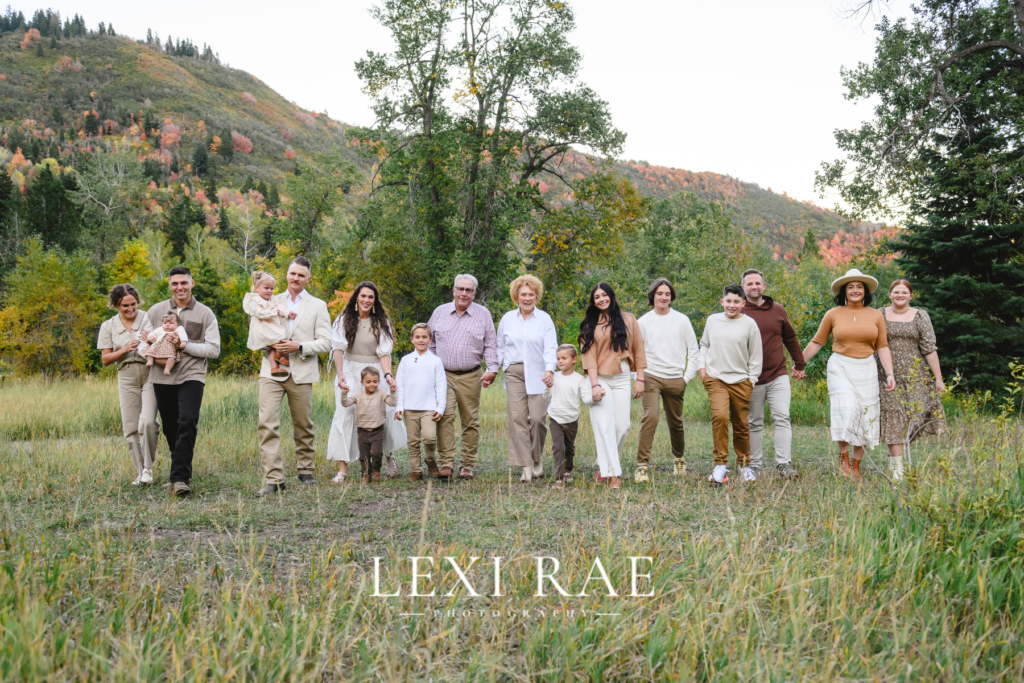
370	415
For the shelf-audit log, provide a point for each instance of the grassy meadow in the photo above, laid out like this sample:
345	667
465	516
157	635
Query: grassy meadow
812	578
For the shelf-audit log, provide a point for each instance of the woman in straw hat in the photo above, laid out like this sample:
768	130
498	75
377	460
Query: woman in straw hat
858	332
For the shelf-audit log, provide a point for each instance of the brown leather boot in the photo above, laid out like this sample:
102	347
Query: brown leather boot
414	476
432	468
844	465
376	477
365	478
855	471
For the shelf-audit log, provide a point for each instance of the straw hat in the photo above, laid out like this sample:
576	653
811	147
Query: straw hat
854	275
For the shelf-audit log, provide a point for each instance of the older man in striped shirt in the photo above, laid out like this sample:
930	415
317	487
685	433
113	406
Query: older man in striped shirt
464	339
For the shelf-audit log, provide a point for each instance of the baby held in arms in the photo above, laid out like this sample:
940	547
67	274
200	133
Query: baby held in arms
165	343
267	317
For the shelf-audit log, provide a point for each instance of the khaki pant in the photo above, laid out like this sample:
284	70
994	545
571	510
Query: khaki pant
138	414
670	391
421	429
300	403
777	394
730	403
527	427
464	391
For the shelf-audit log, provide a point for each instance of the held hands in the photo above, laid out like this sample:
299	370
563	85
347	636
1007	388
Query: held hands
341	383
638	388
548	379
597	392
487	378
392	384
799	374
398	415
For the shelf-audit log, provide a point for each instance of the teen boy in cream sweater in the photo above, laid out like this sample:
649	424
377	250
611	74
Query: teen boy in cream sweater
730	363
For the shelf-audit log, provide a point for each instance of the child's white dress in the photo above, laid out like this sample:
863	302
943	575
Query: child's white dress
266	320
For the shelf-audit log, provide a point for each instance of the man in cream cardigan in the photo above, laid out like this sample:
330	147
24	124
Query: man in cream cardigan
309	334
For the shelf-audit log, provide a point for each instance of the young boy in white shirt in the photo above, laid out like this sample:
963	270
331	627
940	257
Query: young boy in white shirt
421	395
564	398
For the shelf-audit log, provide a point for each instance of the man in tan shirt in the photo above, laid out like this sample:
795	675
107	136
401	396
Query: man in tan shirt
179	395
309	334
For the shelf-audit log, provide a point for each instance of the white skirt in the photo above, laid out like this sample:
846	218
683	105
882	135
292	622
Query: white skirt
853	395
342	443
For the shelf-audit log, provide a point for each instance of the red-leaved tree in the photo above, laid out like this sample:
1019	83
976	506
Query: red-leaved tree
241	143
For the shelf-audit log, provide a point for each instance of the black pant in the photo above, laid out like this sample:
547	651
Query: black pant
179	406
563	445
371	448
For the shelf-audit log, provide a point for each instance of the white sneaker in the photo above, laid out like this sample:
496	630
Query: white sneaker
718	475
138	480
147	476
748	474
538	471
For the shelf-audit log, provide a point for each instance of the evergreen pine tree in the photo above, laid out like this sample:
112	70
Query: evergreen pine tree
223	224
53	42
182	216
50	211
210	189
226	149
200	160
965	260
39	49
248	185
262	189
175	167
810	249
273	199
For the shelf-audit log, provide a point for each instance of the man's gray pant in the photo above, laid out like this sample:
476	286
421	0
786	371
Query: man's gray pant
777	394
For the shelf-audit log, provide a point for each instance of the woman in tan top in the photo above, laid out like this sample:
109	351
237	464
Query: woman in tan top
118	342
612	347
857	334
361	337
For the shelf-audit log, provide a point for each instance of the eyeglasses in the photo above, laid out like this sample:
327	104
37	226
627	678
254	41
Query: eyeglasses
465	290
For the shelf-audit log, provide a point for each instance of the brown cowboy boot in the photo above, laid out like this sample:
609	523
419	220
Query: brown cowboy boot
844	465
855	471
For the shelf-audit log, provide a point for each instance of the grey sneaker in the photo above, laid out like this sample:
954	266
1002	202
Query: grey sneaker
785	470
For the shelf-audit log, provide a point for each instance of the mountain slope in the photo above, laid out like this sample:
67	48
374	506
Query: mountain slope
171	104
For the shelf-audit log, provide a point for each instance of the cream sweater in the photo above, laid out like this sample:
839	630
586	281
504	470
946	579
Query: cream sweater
730	349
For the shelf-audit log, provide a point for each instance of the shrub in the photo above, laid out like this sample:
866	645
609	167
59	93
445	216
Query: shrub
241	143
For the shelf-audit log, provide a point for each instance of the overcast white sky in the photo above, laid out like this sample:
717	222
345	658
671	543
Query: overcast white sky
747	88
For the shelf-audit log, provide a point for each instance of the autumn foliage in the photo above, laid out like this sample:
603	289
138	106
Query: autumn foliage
31	38
248	97
241	143
289	152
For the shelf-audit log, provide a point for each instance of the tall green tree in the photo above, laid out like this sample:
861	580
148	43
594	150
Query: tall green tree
321	205
966	260
200	160
477	102
951	56
182	216
110	192
50	211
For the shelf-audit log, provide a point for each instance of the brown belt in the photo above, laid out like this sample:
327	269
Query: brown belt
464	372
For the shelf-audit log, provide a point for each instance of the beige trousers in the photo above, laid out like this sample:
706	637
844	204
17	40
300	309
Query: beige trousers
464	391
138	414
421	429
671	392
527	427
300	403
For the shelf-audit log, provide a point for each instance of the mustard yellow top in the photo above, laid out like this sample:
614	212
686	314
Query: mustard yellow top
857	332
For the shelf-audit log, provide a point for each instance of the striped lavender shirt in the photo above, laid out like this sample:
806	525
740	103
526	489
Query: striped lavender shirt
463	341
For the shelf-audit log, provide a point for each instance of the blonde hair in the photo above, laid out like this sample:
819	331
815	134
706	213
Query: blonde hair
259	276
568	347
530	281
168	315
906	284
421	326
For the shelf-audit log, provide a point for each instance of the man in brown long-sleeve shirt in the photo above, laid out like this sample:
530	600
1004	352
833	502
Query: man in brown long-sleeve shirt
773	385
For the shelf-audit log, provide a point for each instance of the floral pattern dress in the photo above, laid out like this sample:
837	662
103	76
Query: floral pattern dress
914	406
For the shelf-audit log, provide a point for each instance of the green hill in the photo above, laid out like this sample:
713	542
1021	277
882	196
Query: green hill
70	89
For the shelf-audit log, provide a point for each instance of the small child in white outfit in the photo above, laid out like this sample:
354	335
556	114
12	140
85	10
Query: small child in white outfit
165	344
267	317
564	398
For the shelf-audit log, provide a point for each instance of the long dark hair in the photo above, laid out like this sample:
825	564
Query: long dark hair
380	324
619	334
840	298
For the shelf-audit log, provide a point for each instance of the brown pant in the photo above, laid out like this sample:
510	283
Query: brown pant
421	429
300	403
371	448
730	403
670	391
527	426
563	446
464	391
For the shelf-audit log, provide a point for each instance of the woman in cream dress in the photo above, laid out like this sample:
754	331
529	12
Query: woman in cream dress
361	336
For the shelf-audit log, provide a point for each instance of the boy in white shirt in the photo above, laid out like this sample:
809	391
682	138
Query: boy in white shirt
564	398
421	394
